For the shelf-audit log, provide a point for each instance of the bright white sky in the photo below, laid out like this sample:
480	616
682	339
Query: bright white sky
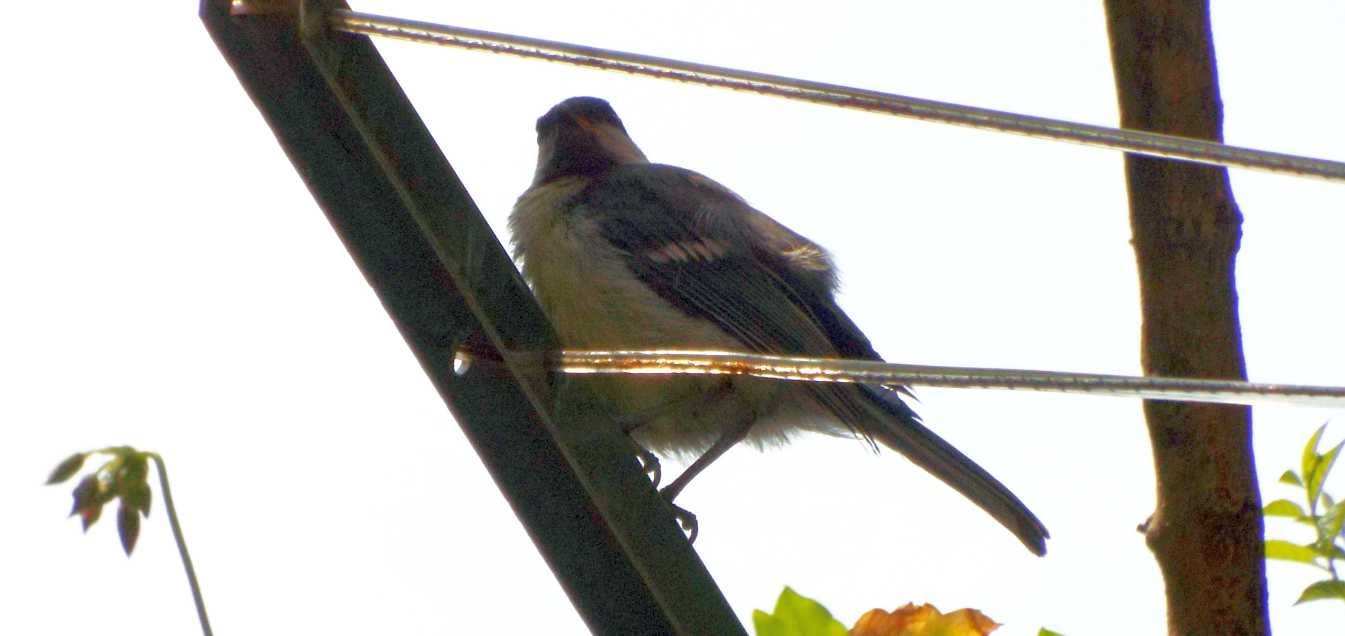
171	284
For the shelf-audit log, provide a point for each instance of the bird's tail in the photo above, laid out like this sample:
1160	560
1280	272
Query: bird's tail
899	428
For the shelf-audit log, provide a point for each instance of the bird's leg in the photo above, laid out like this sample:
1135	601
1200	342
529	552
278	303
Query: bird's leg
631	422
648	462
726	441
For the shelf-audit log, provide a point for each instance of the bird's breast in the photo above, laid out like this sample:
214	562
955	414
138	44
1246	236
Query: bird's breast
594	301
584	283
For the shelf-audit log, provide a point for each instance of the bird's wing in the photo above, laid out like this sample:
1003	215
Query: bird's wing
702	249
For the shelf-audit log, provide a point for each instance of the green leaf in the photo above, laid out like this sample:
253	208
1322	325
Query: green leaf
1329	523
1323	550
66	469
796	615
1310	456
89	516
1283	508
1290	477
1285	551
105	492
133	471
90	494
128	526
1322	590
1046	632
1310	464
84	494
138	497
1321	470
767	625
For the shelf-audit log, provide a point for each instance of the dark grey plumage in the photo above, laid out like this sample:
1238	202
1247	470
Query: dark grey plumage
625	253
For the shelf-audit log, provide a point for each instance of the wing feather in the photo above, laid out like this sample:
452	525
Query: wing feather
705	251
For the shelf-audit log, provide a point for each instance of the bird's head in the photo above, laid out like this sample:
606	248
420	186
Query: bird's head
582	136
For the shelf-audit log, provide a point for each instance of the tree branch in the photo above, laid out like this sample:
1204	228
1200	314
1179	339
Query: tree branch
1206	532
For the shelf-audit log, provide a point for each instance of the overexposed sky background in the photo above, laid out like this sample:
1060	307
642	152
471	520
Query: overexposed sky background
169	283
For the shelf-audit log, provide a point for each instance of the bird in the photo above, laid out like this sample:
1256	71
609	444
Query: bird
623	253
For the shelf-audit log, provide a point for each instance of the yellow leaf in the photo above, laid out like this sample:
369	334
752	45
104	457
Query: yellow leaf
923	621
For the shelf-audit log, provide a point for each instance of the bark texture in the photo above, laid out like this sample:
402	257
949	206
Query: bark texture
1206	532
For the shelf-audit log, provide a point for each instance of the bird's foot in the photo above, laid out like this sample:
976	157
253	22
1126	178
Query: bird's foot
687	521
649	464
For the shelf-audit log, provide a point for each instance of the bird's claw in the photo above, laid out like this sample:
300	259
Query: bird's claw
649	464
687	521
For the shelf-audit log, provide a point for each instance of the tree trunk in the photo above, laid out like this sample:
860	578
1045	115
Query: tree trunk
1206	532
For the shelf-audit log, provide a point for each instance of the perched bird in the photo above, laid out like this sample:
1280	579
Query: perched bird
628	254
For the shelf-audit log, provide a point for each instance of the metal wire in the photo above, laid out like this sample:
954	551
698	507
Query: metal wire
820	370
1137	141
828	370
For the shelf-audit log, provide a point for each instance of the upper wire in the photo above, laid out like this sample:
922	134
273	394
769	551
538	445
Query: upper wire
1136	141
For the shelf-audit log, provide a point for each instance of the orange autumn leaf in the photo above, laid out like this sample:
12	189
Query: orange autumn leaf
923	621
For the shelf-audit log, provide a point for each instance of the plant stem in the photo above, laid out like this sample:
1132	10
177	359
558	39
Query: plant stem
181	545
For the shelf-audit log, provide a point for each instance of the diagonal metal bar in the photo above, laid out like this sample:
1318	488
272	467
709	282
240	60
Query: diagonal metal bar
446	281
1136	141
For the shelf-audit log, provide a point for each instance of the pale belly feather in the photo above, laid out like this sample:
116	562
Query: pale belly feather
595	302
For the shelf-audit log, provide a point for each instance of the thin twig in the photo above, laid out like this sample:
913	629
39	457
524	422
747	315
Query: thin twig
181	545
